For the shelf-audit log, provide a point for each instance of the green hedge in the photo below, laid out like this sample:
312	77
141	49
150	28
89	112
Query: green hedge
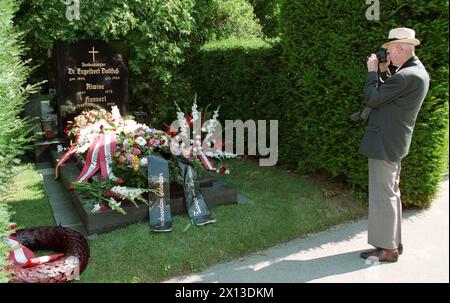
267	12
161	35
238	74
4	223
325	44
14	134
219	19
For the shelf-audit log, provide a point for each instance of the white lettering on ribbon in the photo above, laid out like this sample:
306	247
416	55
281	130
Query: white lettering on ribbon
160	194
197	210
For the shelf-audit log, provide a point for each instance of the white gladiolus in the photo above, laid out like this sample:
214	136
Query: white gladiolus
113	203
194	112
129	193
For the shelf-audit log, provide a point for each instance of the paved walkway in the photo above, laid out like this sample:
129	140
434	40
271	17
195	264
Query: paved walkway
333	255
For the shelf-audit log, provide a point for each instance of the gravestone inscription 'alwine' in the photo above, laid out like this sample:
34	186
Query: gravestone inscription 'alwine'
91	72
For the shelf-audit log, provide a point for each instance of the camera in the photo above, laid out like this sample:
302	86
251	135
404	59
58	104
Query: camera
381	55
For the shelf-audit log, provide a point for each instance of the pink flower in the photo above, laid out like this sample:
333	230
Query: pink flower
154	142
136	152
122	159
130	157
119	181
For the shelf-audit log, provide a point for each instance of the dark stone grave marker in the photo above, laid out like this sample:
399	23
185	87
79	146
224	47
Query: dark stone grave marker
91	72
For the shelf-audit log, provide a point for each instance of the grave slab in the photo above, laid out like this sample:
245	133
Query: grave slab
215	193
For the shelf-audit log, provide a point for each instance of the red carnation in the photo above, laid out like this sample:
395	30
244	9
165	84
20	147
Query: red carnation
119	181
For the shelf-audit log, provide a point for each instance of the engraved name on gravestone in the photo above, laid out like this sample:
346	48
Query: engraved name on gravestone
91	72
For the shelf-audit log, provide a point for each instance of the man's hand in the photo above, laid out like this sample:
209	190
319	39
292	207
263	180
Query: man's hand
384	66
372	63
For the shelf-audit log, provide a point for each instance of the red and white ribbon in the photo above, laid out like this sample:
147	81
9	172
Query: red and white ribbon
106	154
41	260
24	257
92	165
99	156
19	254
207	163
66	156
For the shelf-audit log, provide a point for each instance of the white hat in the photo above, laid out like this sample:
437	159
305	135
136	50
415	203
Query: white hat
402	35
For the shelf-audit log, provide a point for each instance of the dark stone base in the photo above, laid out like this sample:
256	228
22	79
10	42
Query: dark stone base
42	149
215	193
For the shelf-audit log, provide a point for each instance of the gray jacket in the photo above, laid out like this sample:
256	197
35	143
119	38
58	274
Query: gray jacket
395	104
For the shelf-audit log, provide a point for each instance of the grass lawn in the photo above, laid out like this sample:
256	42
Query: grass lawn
283	206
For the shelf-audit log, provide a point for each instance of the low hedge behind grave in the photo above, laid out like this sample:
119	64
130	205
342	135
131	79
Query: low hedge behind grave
240	75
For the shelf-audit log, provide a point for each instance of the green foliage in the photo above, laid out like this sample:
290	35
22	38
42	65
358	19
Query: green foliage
219	19
4	224
240	76
325	44
267	11
14	131
161	35
158	34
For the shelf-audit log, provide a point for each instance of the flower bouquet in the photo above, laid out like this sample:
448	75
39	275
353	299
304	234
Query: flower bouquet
134	143
206	142
109	193
115	150
117	147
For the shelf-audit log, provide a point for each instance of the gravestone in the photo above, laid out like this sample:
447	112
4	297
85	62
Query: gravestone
91	72
95	72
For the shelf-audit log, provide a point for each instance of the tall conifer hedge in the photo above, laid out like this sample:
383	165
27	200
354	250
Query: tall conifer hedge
325	44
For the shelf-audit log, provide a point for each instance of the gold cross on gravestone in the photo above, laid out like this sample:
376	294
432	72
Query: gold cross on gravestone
93	52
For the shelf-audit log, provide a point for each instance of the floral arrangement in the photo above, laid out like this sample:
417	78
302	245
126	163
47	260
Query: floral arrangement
110	193
90	117
89	124
196	149
135	144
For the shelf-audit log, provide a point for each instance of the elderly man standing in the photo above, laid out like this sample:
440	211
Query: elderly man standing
395	99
